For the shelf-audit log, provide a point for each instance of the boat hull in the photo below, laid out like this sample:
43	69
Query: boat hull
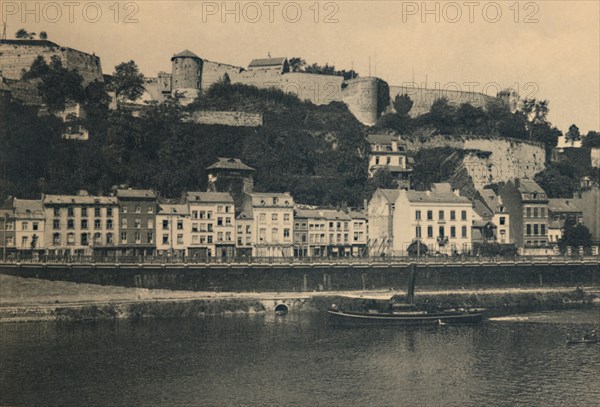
405	319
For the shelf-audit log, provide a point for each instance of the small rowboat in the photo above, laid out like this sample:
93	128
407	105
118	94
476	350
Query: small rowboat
416	317
582	340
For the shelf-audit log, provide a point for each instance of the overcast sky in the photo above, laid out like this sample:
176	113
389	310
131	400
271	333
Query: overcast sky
545	49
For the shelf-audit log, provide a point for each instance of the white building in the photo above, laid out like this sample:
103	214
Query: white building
173	229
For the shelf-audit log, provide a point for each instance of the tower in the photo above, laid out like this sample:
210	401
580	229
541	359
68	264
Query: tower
187	75
230	175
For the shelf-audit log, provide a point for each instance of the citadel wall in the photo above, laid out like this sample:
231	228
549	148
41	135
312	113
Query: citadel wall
17	56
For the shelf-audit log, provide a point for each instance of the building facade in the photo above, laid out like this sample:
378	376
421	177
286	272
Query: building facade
137	220
212	218
381	213
440	218
29	225
499	215
527	204
273	222
173	230
80	224
390	153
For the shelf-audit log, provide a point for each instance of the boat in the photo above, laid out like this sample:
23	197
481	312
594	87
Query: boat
407	313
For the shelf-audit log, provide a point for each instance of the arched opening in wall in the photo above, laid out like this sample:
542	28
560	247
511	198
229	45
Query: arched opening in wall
281	309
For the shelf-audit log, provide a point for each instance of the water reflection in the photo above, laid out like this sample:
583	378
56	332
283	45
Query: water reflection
298	359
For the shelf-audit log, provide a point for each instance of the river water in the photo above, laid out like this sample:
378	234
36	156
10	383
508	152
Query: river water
299	360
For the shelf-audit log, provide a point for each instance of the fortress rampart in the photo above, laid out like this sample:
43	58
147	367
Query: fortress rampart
16	56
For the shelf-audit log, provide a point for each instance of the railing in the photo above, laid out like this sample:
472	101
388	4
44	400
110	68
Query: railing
349	261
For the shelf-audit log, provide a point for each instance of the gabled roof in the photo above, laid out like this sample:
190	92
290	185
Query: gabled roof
209	197
230	164
529	186
178	209
563	205
389	194
136	193
78	200
283	199
27	208
440	193
481	209
264	62
185	54
490	199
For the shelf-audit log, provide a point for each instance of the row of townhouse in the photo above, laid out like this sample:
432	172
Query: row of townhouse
136	222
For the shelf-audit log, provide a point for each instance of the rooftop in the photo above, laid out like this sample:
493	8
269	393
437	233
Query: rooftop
230	164
563	205
490	199
180	209
136	193
209	197
262	62
78	199
390	194
381	138
28	207
440	193
529	186
328	214
280	199
185	54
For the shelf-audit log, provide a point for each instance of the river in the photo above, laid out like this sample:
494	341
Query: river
299	360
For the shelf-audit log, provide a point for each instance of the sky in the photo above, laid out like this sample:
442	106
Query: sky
544	49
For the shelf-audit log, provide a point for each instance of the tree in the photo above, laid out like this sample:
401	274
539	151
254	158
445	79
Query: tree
23	34
573	134
592	139
60	85
536	113
442	116
417	248
296	64
38	69
574	235
402	104
127	81
43	35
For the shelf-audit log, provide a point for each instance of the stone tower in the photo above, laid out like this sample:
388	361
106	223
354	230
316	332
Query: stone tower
187	75
230	175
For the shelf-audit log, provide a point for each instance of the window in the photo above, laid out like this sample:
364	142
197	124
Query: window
452	231
441	215
452	215
248	228
194	227
70	238
543	212
179	225
109	224
502	220
70	212
463	232
138	223
429	215
345	225
150	223
124	209
84	224
56	238
274	234
345	237
97	224
165	224
123	237
441	231
165	238
124	223
376	160
202	239
418	215
417	232
70	224
228	221
24	241
150	237
262	217
25	225
535	229
219	221
109	238
262	235
286	233
209	215
56	224
219	209
202	214
138	209
286	217
109	212
528	228
84	239
227	209
56	211
195	239
209	239
97	238
209	227
138	237
543	230
151	209
228	236
180	238
97	212
463	215
535	212
429	231
528	212
274	217
83	212
275	201
194	214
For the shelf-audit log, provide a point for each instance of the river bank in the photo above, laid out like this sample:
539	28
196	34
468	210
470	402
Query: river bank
23	299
